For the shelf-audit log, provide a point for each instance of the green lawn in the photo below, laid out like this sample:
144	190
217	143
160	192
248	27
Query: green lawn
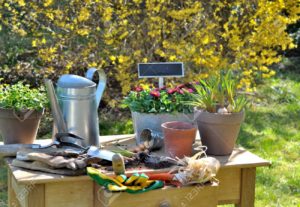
271	130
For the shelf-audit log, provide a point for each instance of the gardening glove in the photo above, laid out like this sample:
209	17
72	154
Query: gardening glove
55	162
136	183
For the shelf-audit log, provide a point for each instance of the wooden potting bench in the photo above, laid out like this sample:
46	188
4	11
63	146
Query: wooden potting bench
37	189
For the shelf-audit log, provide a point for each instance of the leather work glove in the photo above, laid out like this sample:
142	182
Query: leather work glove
55	162
136	183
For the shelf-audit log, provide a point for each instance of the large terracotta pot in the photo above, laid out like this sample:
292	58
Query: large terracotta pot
152	121
19	127
219	132
178	138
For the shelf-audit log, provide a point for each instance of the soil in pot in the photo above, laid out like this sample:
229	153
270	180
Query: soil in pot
19	127
178	138
219	132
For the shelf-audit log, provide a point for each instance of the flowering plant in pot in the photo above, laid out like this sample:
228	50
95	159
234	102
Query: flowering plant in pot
150	106
21	108
219	112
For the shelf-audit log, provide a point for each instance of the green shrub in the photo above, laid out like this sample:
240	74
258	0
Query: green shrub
48	38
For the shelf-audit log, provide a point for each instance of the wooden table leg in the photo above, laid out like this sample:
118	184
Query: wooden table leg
247	187
12	198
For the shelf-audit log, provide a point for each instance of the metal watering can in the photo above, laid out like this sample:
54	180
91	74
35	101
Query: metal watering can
74	106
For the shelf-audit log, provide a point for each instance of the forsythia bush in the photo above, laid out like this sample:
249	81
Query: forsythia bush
207	36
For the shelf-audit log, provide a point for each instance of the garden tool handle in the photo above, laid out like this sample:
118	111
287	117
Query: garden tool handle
101	83
55	109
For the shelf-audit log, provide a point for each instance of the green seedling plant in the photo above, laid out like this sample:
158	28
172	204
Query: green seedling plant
204	96
218	94
20	96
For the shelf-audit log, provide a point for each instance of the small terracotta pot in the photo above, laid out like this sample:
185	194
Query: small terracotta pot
178	138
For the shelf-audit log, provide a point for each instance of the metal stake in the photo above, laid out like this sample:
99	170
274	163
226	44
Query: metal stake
160	82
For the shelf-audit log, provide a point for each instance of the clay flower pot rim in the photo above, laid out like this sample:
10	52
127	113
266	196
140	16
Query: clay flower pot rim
225	114
188	126
170	113
23	110
10	112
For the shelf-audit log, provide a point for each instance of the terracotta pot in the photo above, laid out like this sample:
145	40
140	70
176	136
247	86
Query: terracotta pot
19	127
178	138
219	132
152	121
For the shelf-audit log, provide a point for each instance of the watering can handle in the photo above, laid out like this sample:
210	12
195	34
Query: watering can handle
101	84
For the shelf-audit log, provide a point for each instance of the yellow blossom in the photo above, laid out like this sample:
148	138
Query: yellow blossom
84	14
172	57
21	2
34	43
83	32
69	65
44	41
47	3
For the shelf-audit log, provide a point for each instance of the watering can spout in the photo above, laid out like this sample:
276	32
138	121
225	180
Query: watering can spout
101	84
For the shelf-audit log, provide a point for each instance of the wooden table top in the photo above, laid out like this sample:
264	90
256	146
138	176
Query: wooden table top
240	158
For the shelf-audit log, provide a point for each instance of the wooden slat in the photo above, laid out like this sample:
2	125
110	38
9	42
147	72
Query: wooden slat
36	196
12	198
200	196
20	191
229	185
247	187
69	194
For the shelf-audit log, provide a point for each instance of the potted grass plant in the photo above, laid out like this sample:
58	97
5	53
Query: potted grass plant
219	112
21	109
150	107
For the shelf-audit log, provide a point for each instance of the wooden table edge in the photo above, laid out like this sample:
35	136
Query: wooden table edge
104	139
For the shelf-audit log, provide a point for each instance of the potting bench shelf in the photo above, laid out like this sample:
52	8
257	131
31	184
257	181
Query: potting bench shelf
37	189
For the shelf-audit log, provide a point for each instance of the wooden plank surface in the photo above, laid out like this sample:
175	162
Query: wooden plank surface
240	158
229	185
36	196
70	194
200	196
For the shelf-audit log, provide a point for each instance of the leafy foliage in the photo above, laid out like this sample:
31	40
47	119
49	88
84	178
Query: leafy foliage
51	37
218	92
159	100
20	96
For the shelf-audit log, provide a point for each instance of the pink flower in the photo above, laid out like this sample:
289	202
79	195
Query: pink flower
180	86
155	93
171	91
190	90
180	91
139	89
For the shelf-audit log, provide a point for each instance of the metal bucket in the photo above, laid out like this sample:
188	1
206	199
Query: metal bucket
19	127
